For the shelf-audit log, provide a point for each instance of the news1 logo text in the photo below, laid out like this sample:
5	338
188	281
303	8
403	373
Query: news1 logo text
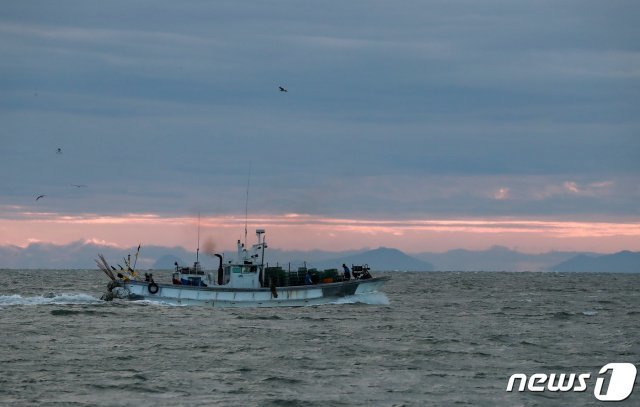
617	387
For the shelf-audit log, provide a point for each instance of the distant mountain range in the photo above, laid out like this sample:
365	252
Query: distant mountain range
80	255
621	262
379	259
496	258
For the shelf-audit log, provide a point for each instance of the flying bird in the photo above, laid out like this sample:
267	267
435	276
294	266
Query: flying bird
79	185
59	151
282	89
40	196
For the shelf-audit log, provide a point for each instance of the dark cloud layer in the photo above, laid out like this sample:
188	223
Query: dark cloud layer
394	108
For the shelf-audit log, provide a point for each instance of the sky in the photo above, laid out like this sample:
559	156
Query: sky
419	125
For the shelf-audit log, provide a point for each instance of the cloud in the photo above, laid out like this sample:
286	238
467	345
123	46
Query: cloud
501	194
100	242
571	187
308	232
411	110
592	189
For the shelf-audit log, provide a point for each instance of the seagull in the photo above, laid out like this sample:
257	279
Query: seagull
59	151
282	89
79	185
40	196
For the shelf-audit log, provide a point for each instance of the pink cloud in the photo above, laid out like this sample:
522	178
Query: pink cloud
306	232
571	187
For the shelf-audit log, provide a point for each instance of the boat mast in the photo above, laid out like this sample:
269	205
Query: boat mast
246	207
198	248
261	244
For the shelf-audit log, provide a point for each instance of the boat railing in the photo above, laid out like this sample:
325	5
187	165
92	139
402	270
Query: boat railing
190	270
279	277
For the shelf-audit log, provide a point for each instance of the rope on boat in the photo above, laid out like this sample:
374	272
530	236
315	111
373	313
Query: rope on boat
104	266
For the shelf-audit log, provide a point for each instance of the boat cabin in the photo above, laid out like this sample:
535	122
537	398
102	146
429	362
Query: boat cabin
248	270
244	272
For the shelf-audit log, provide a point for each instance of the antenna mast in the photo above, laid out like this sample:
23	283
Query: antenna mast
198	249
246	206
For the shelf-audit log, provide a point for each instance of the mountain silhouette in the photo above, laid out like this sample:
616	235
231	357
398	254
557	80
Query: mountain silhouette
380	259
621	262
167	262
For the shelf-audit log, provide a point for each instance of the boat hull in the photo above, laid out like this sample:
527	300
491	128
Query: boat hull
217	296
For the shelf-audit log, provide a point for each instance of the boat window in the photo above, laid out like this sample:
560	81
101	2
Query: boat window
235	269
250	269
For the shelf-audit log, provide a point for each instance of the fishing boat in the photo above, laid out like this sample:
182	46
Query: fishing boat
246	281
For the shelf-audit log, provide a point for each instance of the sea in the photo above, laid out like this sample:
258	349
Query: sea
427	339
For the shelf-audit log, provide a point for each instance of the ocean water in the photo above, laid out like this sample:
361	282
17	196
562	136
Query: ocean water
437	339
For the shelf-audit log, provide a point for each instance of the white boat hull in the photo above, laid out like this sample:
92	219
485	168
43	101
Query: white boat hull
294	296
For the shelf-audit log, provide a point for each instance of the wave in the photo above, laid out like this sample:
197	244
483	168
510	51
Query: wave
375	298
51	298
67	311
161	303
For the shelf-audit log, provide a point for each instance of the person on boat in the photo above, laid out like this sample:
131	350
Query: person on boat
176	279
307	279
315	278
347	272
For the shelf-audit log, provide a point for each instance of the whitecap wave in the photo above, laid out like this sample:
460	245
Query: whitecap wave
375	298
159	302
51	298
